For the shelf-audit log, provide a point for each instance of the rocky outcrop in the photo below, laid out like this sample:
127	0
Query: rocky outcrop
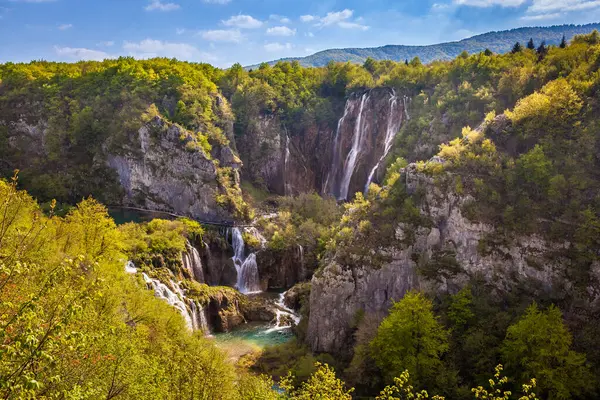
165	169
281	269
441	257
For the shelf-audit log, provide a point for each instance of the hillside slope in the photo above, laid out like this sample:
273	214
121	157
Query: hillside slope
498	42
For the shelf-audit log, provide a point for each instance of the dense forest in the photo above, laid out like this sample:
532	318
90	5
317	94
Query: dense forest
488	203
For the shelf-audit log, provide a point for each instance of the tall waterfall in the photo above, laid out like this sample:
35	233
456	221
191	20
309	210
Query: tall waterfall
357	142
329	186
393	126
248	280
287	186
192	262
363	139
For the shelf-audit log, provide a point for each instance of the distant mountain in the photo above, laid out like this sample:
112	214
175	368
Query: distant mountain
499	42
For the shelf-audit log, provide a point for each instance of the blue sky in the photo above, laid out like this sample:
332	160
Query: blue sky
250	31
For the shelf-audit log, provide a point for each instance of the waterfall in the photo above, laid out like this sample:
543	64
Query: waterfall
357	142
163	292
283	312
199	320
130	268
393	125
287	186
335	159
248	280
192	262
302	270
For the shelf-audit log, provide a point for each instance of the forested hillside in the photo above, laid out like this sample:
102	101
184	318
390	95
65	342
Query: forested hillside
421	226
499	42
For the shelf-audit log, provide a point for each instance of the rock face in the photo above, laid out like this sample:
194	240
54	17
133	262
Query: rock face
337	159
164	169
364	135
281	269
339	292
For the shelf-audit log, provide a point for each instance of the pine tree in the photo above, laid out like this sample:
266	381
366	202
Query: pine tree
531	44
517	48
542	50
563	42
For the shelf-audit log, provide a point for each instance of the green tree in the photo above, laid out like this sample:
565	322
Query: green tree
322	385
531	44
411	338
517	48
563	42
370	65
539	345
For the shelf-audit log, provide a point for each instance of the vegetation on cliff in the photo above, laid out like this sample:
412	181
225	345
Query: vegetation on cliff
516	134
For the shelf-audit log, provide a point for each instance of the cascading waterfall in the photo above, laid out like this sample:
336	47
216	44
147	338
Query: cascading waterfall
357	143
192	312
130	268
192	262
284	314
393	126
248	280
199	319
163	292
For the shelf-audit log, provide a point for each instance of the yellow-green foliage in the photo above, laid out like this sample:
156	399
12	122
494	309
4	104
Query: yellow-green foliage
402	389
231	197
72	322
160	242
323	384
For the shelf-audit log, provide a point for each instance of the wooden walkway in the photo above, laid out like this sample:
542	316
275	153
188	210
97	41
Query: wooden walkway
221	224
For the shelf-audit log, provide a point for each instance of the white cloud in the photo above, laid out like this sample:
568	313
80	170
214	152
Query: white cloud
223	35
342	19
74	53
157	5
335	17
180	31
275	47
309	34
550	9
547	6
352	25
109	43
222	2
280	18
540	17
307	18
490	3
64	27
281	31
243	22
149	48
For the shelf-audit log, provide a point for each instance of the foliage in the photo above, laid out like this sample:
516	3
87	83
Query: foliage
411	338
323	385
539	345
73	321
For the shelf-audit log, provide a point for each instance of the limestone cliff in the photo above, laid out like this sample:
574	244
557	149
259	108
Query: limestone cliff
337	158
439	258
164	169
